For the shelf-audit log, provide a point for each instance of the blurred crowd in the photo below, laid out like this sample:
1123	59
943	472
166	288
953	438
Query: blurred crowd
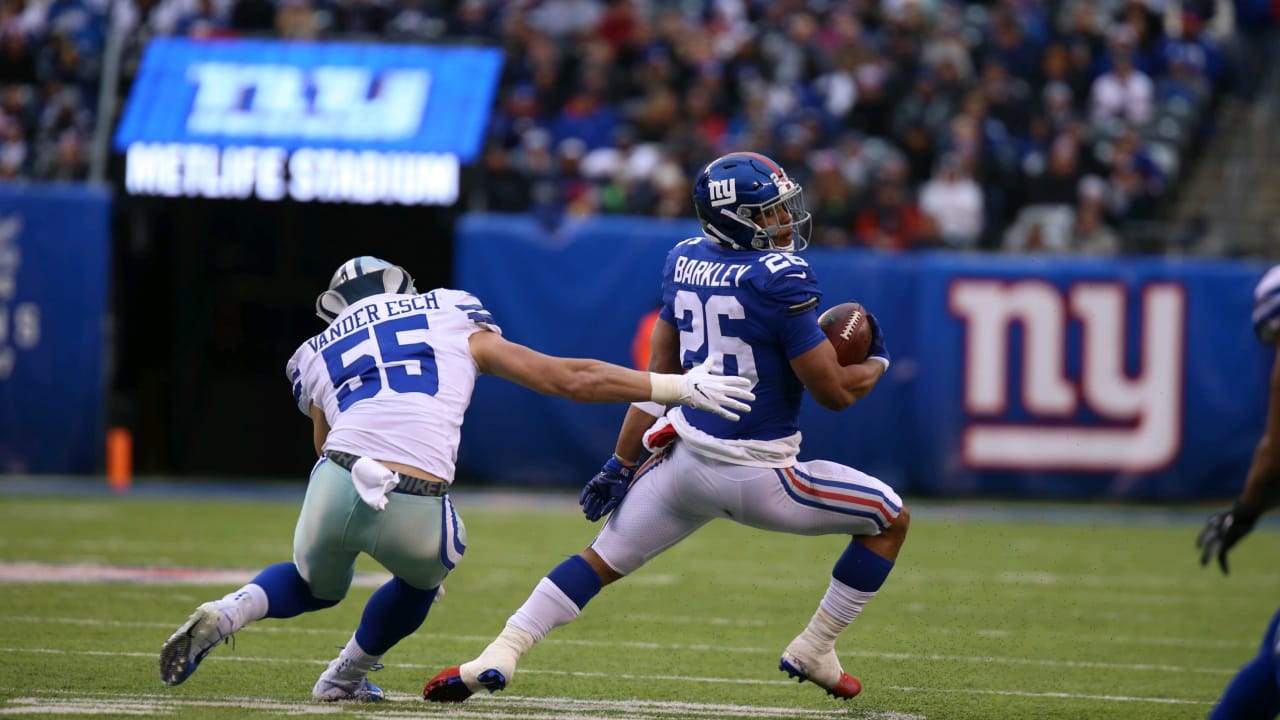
1022	125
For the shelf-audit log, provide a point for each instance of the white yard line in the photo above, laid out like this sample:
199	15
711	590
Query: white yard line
654	646
1129	588
664	647
62	702
1065	696
530	708
79	573
229	657
1125	640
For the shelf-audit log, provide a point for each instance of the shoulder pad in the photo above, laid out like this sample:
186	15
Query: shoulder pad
785	269
470	305
792	296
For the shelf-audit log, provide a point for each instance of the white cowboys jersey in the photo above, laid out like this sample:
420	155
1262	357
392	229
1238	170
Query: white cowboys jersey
394	374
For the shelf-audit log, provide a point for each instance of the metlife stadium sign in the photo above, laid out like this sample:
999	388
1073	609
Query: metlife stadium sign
311	122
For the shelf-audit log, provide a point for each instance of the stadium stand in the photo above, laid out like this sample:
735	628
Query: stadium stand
1014	125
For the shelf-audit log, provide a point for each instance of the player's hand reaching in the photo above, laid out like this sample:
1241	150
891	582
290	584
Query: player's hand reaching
878	349
603	492
1222	532
720	394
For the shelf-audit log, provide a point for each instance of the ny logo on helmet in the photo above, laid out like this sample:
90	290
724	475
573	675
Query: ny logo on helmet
723	192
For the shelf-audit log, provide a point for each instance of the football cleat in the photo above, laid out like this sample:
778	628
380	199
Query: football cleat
334	690
182	652
449	686
335	686
492	670
823	671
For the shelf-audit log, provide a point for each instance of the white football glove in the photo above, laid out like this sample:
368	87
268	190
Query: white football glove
703	390
373	481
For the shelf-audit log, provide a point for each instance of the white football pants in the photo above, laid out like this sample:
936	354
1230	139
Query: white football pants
682	491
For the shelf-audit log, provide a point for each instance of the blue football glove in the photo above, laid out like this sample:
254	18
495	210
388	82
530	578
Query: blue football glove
603	492
878	348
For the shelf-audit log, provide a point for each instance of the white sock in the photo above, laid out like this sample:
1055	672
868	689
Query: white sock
843	602
243	606
353	663
546	609
837	610
502	654
514	640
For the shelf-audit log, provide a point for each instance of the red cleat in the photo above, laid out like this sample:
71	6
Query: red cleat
825	672
448	685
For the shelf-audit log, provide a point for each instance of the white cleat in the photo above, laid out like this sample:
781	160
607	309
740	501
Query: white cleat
186	647
334	690
801	661
333	687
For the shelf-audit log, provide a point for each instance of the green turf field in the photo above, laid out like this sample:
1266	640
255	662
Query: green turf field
1027	614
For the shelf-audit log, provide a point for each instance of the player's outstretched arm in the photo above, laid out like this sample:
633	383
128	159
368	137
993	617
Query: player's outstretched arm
1261	489
586	380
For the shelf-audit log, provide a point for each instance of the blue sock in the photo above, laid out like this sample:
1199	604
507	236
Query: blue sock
861	569
576	578
288	594
1254	693
393	612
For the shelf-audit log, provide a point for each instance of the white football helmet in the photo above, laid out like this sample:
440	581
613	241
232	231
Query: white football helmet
358	278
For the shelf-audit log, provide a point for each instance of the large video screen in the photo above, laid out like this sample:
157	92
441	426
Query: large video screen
311	122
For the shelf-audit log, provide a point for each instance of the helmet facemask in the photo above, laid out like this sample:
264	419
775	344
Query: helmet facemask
780	216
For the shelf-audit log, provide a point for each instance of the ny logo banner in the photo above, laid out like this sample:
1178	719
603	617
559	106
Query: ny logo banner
1102	418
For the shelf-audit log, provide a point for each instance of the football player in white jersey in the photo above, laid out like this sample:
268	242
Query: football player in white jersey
1254	693
386	385
743	301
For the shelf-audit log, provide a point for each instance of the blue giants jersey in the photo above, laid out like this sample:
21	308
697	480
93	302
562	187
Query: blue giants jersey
751	312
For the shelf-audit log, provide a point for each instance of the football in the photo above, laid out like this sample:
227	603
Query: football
847	328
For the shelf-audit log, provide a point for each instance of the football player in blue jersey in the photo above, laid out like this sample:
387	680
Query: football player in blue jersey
386	386
1254	693
741	299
